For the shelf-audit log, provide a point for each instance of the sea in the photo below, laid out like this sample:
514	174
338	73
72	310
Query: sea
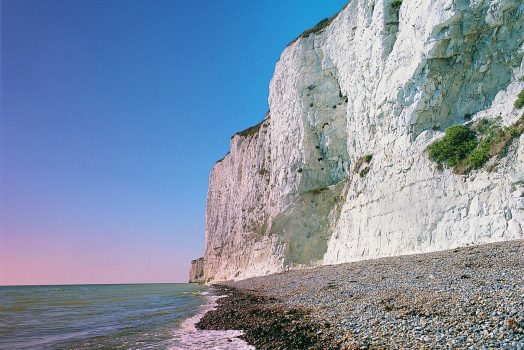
123	316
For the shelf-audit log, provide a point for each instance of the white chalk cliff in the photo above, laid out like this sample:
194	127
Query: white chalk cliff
383	78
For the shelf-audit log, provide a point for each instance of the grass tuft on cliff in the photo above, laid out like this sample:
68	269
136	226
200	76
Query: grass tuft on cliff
252	130
358	164
318	190
364	171
319	26
465	148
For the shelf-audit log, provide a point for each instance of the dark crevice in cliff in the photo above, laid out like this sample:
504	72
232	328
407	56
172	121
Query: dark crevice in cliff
391	24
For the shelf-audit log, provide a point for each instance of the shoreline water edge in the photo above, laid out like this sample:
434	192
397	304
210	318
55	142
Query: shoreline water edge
188	337
463	298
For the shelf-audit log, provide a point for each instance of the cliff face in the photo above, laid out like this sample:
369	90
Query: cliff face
196	273
383	79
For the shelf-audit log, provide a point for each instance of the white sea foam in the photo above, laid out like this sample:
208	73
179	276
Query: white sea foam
188	337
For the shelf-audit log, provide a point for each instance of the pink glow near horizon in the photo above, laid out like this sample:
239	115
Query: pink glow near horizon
51	261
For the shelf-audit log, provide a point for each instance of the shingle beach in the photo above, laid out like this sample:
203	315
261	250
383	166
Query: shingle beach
466	298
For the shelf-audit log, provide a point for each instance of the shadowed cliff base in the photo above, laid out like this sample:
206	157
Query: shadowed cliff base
462	298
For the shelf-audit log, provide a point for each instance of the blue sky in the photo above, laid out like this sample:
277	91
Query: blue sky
112	115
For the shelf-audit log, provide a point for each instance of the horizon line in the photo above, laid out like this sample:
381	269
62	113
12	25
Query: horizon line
87	284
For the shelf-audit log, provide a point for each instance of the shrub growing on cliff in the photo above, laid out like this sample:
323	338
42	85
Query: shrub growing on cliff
458	142
519	102
461	150
480	155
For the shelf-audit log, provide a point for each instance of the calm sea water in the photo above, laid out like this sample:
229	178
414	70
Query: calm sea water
139	316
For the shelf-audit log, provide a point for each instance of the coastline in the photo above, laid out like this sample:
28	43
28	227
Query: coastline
189	337
469	297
